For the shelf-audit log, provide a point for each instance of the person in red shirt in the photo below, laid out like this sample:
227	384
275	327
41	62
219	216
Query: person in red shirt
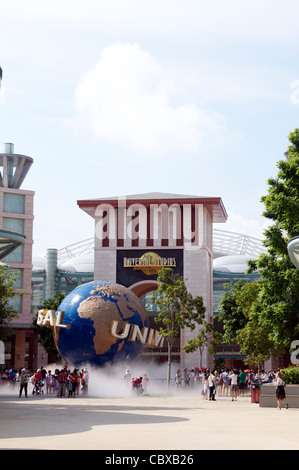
38	375
75	382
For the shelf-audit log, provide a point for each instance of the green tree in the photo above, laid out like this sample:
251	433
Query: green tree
45	335
7	313
230	312
207	336
278	300
255	344
241	322
263	317
178	309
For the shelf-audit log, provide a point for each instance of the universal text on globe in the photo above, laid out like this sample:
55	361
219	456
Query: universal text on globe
51	318
148	336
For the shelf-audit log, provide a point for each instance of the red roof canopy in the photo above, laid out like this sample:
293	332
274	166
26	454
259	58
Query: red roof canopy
214	205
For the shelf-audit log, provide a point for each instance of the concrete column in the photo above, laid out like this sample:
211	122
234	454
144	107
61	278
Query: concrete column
105	265
19	349
51	269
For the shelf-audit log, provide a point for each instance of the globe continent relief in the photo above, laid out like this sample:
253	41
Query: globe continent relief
90	310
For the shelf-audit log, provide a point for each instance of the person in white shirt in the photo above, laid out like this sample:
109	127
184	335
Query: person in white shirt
234	385
226	386
280	392
265	378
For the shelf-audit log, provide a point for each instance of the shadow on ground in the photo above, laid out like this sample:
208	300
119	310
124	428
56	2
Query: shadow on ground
32	418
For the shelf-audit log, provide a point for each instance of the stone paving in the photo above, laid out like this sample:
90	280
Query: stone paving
176	422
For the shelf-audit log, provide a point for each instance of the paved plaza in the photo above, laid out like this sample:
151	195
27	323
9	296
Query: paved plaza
182	421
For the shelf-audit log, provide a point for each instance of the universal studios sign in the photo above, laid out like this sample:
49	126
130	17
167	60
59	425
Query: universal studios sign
147	336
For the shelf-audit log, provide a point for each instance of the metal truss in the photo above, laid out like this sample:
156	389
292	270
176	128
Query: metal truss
84	247
231	243
225	243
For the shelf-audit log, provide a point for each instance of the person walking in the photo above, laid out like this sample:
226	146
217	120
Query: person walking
24	383
220	385
186	378
178	379
192	378
204	391
12	376
127	377
145	383
52	384
75	382
69	384
48	381
212	386
242	380
62	379
84	381
226	383
280	392
234	385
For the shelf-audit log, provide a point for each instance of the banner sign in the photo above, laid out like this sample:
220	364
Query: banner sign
140	265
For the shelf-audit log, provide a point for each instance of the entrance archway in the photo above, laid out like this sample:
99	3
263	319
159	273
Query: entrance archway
143	287
154	355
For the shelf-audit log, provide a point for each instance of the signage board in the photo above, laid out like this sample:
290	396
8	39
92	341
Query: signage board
140	265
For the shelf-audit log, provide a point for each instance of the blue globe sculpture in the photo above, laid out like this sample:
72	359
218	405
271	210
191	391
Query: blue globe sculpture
90	311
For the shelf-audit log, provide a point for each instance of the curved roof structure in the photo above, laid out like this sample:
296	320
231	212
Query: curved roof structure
236	264
14	169
9	241
79	264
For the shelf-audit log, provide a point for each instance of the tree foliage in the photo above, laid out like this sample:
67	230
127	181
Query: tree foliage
45	335
241	323
206	337
231	312
278	301
263	316
7	313
178	309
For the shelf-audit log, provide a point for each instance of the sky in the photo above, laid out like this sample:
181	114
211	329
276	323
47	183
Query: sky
131	96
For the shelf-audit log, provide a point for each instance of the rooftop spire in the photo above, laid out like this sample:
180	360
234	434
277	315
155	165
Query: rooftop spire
13	167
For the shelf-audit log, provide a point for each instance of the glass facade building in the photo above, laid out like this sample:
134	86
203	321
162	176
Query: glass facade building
16	218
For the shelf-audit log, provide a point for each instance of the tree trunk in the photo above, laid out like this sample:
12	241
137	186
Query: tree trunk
200	358
169	364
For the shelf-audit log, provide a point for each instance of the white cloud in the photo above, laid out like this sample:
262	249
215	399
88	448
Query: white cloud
127	100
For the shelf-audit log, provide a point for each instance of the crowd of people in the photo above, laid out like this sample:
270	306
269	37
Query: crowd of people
223	382
210	384
62	382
